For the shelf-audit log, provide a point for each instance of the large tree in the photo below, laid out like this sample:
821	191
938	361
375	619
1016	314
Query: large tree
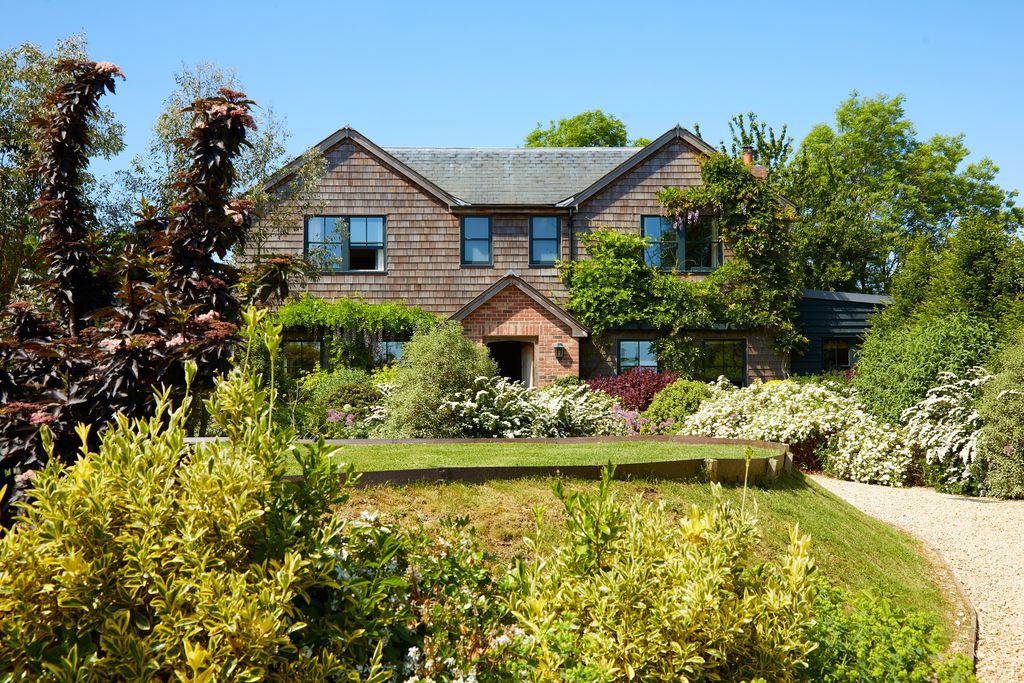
28	74
589	129
868	188
153	174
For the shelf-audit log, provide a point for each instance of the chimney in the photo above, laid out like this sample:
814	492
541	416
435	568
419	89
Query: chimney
748	156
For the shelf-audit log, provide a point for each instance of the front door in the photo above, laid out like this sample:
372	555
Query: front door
514	359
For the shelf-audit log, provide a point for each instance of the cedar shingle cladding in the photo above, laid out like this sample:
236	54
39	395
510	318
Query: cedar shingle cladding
423	236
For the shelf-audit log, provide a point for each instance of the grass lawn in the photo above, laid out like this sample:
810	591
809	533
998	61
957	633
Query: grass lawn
850	548
368	458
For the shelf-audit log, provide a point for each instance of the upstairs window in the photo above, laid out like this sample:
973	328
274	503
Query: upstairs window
545	240
346	243
724	358
476	241
634	353
698	250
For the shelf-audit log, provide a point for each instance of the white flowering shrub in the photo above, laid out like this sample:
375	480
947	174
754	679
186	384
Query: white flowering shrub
946	427
851	443
497	408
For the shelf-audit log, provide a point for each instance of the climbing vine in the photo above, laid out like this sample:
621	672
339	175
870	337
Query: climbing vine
757	289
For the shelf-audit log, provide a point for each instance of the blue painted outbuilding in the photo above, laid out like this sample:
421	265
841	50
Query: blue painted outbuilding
835	324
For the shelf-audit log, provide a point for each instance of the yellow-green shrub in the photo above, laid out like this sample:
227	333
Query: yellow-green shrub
155	559
633	595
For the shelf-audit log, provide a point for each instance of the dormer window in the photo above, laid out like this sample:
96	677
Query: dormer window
696	249
346	243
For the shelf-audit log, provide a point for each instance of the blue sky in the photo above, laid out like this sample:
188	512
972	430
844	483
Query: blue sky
484	73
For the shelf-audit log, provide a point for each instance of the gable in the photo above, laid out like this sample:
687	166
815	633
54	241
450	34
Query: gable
513	281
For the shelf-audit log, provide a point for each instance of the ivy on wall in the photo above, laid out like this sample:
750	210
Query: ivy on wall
350	326
757	289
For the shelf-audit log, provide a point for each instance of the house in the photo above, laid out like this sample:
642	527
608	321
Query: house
834	323
474	235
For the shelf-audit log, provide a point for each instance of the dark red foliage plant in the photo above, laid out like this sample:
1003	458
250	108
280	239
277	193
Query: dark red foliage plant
119	325
635	388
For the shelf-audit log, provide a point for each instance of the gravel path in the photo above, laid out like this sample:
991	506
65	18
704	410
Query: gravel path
982	540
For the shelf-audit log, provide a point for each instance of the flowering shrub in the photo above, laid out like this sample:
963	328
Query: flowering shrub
635	388
946	426
851	443
495	407
334	405
1001	446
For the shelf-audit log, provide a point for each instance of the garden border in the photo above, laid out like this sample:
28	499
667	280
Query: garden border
722	470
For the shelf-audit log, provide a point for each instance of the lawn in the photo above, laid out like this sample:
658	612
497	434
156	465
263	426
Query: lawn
850	548
369	458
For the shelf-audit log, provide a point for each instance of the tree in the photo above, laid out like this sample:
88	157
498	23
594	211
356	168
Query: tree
868	188
116	325
27	75
590	129
152	174
771	150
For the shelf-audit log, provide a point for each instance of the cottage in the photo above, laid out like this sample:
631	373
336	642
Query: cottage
474	235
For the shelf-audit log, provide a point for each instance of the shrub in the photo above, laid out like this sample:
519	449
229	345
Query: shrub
852	444
865	638
436	365
1001	446
633	594
152	559
496	407
675	402
635	388
946	426
335	404
897	367
568	381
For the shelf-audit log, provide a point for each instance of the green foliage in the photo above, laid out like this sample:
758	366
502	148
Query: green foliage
676	401
589	129
757	289
333	404
770	150
568	381
897	367
866	639
1001	446
350	326
868	187
437	364
631	594
978	270
152	559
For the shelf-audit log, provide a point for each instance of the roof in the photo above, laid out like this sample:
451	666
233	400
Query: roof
516	176
510	176
851	297
512	279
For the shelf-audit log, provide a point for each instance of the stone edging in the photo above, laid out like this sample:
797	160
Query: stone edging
972	613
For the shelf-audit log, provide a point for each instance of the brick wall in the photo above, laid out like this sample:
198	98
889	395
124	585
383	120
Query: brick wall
512	314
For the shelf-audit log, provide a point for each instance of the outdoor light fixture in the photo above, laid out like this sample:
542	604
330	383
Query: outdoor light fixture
559	351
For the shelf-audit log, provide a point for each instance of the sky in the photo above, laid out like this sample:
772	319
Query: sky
484	73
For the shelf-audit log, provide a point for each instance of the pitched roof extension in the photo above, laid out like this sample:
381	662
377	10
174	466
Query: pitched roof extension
512	279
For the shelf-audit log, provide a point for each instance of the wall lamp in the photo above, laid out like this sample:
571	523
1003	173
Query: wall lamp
559	350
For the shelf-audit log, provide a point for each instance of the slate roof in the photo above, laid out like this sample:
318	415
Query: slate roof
508	176
852	297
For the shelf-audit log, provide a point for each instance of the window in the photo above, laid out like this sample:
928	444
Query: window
545	240
346	243
476	240
388	351
724	357
300	355
636	353
699	251
839	354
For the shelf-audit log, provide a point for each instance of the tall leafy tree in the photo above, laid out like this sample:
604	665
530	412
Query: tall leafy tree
868	187
153	174
588	129
771	150
28	74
